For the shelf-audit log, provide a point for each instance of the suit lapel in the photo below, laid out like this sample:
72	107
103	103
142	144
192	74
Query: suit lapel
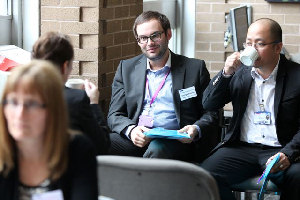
279	85
140	81
177	72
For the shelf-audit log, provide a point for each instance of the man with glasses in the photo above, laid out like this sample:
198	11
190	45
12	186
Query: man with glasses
266	115
157	89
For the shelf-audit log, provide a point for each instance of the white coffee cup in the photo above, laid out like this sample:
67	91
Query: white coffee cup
249	56
75	83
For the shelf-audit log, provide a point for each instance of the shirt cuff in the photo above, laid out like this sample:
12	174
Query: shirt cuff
129	129
199	131
226	76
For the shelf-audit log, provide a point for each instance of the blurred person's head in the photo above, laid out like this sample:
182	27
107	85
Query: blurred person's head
57	48
33	110
266	36
152	31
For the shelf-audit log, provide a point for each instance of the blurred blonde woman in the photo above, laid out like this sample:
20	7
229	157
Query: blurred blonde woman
38	154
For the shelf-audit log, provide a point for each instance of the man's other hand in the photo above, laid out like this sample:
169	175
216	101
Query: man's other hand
137	136
282	164
191	130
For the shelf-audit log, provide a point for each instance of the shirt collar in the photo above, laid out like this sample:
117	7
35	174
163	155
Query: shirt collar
272	76
168	63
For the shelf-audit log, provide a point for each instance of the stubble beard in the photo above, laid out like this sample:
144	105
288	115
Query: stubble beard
161	53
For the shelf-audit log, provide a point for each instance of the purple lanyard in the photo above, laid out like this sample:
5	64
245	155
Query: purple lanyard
159	87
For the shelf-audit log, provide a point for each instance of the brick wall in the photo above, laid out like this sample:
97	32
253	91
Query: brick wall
210	27
101	32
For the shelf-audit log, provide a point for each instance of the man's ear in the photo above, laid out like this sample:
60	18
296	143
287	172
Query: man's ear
278	47
169	34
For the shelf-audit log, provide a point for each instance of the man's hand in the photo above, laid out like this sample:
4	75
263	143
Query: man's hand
138	138
191	130
92	91
282	164
232	63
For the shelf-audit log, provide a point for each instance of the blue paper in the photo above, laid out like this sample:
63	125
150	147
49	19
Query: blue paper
164	133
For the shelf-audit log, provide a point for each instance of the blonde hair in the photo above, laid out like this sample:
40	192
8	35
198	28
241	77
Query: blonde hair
42	78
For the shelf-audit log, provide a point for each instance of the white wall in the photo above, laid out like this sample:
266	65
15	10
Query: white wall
188	30
31	23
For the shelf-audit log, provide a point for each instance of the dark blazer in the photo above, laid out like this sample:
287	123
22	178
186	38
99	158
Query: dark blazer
77	183
286	103
128	92
83	118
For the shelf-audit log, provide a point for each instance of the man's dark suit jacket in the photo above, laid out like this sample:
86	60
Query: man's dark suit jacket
83	118
128	92
222	90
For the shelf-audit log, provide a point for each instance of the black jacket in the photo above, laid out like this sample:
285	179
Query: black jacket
89	122
77	183
286	103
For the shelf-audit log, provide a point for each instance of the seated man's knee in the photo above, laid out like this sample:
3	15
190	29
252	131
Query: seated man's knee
157	149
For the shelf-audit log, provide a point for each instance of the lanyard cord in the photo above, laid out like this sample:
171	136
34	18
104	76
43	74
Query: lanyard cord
159	87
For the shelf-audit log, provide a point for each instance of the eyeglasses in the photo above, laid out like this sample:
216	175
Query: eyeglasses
259	45
30	106
155	37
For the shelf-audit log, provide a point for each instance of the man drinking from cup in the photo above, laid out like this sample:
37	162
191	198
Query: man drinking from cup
266	113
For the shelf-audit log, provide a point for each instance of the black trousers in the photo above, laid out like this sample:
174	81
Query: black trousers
235	163
157	148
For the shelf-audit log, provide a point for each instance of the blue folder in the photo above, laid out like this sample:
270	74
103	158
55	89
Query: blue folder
164	133
266	175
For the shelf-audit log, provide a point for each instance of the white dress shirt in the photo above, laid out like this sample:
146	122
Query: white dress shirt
262	92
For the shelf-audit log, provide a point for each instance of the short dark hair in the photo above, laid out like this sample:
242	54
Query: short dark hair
149	15
54	47
275	29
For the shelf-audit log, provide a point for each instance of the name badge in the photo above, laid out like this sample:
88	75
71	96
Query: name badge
187	93
146	120
262	117
51	195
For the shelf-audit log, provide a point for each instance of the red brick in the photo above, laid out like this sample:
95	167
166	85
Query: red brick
106	13
127	24
111	3
135	10
121	12
128	49
112	52
106	66
121	38
108	79
106	40
129	1
105	92
112	26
